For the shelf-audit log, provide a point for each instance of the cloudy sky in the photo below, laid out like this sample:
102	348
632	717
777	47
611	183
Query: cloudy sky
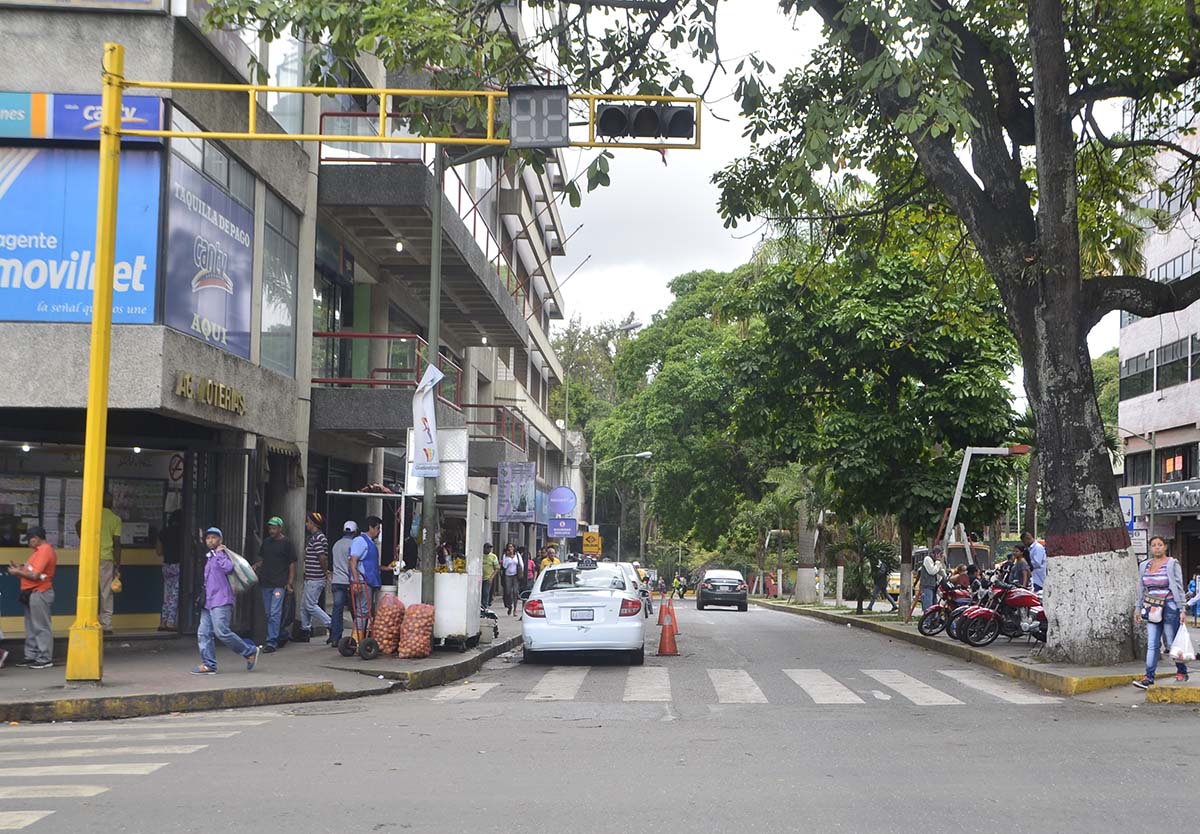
655	222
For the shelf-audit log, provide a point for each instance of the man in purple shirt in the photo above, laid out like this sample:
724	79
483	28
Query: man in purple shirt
218	609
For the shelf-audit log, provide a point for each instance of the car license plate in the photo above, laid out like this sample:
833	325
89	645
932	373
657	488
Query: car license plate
582	614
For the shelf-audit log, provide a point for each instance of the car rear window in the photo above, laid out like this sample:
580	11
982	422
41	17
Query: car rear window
724	574
598	579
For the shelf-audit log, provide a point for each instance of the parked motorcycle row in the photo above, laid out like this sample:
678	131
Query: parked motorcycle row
992	608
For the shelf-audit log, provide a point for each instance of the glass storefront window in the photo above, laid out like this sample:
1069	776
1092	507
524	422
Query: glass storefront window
280	268
285	67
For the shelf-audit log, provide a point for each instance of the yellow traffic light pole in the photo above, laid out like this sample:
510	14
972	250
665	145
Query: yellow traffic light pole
85	652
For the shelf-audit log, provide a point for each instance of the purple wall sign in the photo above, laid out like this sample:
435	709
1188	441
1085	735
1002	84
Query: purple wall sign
562	500
210	261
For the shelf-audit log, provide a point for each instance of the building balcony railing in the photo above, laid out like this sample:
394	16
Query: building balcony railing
500	423
465	203
346	359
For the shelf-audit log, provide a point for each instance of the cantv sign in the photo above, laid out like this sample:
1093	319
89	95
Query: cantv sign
48	235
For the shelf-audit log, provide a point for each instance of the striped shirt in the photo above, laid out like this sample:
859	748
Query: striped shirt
1157	582
316	547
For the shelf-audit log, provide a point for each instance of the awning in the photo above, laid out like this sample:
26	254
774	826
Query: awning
283	447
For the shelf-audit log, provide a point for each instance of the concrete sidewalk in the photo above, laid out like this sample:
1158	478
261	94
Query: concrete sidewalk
152	677
1017	659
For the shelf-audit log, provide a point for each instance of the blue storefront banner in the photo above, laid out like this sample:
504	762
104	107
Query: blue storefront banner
78	117
562	528
210	247
48	235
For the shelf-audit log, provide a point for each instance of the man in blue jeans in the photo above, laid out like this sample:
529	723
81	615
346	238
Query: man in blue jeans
218	609
364	562
341	580
276	569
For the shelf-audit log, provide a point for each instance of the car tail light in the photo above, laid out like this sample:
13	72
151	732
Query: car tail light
630	607
707	585
742	586
534	608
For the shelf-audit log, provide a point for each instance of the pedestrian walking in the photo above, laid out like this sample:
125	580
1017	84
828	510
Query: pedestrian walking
341	581
491	567
276	569
677	587
37	595
549	557
879	591
218	608
170	550
316	574
933	571
1037	560
1161	607
111	528
513	572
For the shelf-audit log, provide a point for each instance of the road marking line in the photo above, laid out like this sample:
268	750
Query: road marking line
15	820
119	769
735	686
466	692
648	683
132	725
822	688
921	694
559	684
50	791
97	739
89	752
881	696
1004	691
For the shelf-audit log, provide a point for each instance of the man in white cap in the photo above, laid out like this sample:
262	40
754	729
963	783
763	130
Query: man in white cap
341	580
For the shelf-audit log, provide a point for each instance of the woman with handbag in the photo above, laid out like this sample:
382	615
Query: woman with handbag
1161	608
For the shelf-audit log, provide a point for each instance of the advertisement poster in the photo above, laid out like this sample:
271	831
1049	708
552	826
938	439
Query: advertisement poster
425	437
48	235
210	261
516	486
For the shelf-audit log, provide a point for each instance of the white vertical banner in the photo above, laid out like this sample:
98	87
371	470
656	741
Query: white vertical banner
425	455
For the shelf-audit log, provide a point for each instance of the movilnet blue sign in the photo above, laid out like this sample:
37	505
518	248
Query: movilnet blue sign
562	528
78	116
48	235
562	500
210	247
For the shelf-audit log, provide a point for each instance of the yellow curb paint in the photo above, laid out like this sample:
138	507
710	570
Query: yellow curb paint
1173	694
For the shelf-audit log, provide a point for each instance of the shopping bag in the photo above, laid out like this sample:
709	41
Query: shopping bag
1181	647
243	577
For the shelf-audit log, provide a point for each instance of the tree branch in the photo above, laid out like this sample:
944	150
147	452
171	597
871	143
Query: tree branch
1119	144
1133	87
1138	295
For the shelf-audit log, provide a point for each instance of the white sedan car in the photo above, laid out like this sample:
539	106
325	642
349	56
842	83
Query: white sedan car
582	607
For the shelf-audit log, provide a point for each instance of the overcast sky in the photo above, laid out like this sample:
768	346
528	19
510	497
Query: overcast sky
655	222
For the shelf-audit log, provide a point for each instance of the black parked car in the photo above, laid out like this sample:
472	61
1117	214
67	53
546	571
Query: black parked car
722	587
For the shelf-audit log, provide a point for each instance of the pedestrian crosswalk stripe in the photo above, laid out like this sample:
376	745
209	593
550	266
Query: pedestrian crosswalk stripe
822	688
648	683
130	724
921	694
1003	691
559	684
50	791
465	692
16	820
105	737
92	752
116	769
735	686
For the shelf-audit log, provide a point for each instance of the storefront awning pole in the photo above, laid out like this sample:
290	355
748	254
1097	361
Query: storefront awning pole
85	650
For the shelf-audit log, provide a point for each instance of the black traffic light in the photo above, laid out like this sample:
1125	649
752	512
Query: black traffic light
645	121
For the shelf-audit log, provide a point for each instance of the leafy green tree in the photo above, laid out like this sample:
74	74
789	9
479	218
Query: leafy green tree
865	554
1106	369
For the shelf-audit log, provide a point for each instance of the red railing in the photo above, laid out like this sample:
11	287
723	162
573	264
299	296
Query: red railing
346	359
456	191
497	422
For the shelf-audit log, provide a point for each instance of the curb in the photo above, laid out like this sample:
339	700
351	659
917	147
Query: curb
1049	681
1173	695
438	675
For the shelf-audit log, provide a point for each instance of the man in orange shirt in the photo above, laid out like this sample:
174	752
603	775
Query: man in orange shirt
37	595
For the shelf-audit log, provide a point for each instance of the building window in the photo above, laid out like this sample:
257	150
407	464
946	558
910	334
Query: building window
281	260
1137	469
285	66
214	161
1173	361
1177	463
1195	358
1137	376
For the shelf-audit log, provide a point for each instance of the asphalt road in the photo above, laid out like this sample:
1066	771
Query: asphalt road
766	722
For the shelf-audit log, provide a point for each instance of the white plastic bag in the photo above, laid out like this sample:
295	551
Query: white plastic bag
1181	647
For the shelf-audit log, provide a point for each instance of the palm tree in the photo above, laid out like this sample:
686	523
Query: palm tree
866	554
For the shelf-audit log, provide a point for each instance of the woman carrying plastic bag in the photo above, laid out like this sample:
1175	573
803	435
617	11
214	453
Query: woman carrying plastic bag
1182	649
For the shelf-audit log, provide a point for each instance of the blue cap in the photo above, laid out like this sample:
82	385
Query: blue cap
216	530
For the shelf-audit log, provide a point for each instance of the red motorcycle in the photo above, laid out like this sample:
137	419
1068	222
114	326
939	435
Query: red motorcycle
951	597
1008	610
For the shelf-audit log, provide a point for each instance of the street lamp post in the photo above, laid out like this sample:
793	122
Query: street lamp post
596	465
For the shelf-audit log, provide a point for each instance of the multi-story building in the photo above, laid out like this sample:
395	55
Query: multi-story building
1159	414
270	307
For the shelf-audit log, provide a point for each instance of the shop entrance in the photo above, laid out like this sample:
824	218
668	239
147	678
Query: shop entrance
1187	548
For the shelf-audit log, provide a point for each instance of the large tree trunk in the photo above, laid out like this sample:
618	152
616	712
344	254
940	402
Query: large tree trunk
806	553
1031	494
906	569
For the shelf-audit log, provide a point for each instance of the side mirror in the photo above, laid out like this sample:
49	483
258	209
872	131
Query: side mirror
524	595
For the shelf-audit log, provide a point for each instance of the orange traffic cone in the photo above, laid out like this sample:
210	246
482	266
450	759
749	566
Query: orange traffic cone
666	639
662	608
674	619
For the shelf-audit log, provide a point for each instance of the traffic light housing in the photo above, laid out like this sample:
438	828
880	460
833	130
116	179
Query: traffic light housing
645	121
